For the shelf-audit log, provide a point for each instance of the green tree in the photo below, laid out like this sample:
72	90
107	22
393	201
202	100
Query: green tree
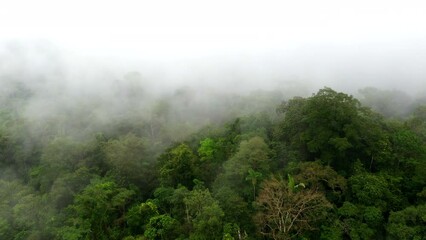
370	190
208	152
66	186
98	212
60	156
418	121
128	159
252	154
409	223
207	149
408	160
161	227
138	216
334	128
205	215
177	166
237	211
24	213
358	222
253	177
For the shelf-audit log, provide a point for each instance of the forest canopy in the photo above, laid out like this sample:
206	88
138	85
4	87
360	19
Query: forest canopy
256	166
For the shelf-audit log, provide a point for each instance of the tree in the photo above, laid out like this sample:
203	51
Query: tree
323	178
291	128
253	154
138	216
253	177
60	156
418	121
66	186
409	223
228	144
98	212
177	166
284	213
129	161
370	190
24	213
161	227
334	128
355	222
207	149
408	159
209	162
204	213
238	211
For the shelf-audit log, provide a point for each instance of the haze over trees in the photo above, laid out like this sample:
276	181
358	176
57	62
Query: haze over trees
134	164
227	120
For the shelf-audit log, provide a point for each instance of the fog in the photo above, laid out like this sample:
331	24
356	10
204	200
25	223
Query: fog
114	59
345	68
106	96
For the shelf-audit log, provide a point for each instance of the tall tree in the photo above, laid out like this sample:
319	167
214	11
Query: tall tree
98	212
286	212
252	155
334	128
204	213
130	161
177	166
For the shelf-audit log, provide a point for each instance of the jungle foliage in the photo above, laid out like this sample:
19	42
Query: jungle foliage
320	167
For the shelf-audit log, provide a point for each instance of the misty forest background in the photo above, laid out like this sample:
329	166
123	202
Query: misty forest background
127	158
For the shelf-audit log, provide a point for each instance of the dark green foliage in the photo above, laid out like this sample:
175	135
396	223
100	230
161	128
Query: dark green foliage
418	122
60	156
161	227
252	155
24	213
237	210
204	214
332	127
66	186
138	216
177	166
409	223
130	162
370	189
98	212
321	167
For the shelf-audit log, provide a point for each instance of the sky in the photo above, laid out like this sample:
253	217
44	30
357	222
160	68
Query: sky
307	39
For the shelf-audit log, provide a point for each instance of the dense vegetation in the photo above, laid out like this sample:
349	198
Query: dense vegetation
319	167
